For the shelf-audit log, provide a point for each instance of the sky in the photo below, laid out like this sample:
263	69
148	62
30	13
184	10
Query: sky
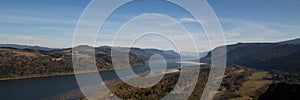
51	23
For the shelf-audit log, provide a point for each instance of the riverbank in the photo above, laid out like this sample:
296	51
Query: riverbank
37	76
84	72
52	75
67	74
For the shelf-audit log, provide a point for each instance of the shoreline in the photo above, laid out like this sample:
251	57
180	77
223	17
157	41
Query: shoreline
53	75
58	74
67	74
40	76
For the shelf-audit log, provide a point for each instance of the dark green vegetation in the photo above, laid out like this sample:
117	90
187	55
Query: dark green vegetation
163	88
158	91
281	91
283	56
239	83
233	86
280	61
145	54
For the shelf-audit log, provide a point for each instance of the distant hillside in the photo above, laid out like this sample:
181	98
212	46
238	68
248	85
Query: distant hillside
145	54
193	54
269	56
27	47
22	63
295	41
168	54
19	61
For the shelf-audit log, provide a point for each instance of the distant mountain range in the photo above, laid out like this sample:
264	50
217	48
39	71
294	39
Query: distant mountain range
22	63
27	47
284	56
19	61
144	54
193	54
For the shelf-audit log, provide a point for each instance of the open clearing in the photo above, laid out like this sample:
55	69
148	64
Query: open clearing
256	82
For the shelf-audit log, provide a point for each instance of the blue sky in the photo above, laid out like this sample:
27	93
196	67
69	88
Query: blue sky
51	23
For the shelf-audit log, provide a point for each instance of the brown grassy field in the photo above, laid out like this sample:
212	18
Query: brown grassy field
255	83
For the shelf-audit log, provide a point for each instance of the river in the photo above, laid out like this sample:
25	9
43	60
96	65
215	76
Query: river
39	88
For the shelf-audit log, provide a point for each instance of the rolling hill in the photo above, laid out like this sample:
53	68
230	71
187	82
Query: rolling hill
26	47
21	63
145	54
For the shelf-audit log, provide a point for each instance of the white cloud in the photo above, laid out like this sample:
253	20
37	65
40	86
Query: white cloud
237	30
190	20
158	24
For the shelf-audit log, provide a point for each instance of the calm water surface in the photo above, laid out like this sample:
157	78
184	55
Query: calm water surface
39	88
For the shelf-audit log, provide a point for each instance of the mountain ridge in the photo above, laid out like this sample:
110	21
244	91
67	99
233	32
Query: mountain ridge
17	46
23	63
19	61
266	56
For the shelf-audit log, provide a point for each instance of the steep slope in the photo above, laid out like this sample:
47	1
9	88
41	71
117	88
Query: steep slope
269	56
289	63
295	41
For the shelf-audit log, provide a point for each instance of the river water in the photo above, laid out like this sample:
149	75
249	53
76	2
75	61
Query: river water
39	88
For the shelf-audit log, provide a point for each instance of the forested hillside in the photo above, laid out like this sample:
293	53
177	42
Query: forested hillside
283	56
19	63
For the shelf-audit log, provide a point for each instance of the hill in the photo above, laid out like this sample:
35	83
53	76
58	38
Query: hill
22	63
282	56
26	47
295	41
145	54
